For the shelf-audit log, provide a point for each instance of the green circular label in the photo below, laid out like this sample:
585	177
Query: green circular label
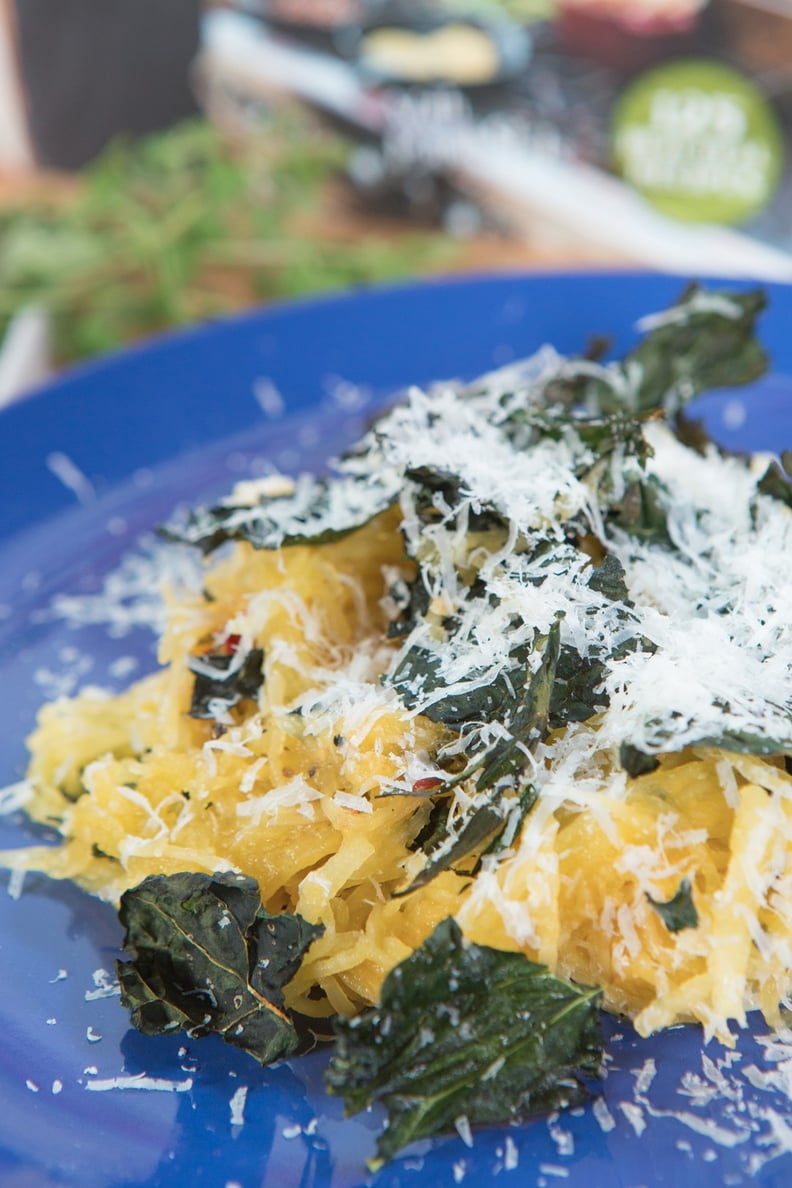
699	140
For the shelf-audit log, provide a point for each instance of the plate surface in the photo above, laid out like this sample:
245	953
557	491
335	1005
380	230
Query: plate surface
89	465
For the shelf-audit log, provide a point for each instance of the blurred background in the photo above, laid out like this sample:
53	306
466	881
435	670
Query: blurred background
166	163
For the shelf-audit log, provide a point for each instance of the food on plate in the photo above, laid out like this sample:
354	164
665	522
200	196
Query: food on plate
483	729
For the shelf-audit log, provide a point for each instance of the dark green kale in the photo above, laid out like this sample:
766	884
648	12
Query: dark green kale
763	739
577	692
225	687
640	512
411	600
524	427
446	844
777	480
317	512
526	723
438	494
609	579
497	768
707	340
680	911
466	1034
206	957
419	673
525	801
636	762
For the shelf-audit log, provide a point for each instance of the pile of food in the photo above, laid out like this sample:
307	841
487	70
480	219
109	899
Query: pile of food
485	728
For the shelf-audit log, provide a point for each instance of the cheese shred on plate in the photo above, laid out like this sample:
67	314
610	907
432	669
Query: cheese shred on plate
522	658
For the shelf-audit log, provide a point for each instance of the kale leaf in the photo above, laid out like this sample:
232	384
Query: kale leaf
446	844
497	768
411	600
641	514
453	843
527	724
207	957
707	340
601	434
679	912
775	482
439	492
464	1031
225	687
577	691
316	512
608	578
419	673
635	761
763	737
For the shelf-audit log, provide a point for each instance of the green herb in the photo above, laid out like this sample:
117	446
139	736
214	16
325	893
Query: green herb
452	843
448	844
224	686
527	725
206	957
609	579
707	340
466	1032
680	911
555	419
578	692
184	225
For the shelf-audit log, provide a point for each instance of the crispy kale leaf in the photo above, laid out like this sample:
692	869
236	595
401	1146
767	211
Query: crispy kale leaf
497	768
438	492
205	957
775	482
411	601
466	1031
641	513
225	687
635	761
577	692
679	911
316	512
419	673
762	739
707	340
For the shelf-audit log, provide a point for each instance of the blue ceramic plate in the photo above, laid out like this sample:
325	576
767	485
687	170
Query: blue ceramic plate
87	466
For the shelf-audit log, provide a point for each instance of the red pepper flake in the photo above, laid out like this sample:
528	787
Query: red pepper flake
427	784
231	643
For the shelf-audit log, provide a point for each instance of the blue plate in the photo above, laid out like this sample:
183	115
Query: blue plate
88	465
